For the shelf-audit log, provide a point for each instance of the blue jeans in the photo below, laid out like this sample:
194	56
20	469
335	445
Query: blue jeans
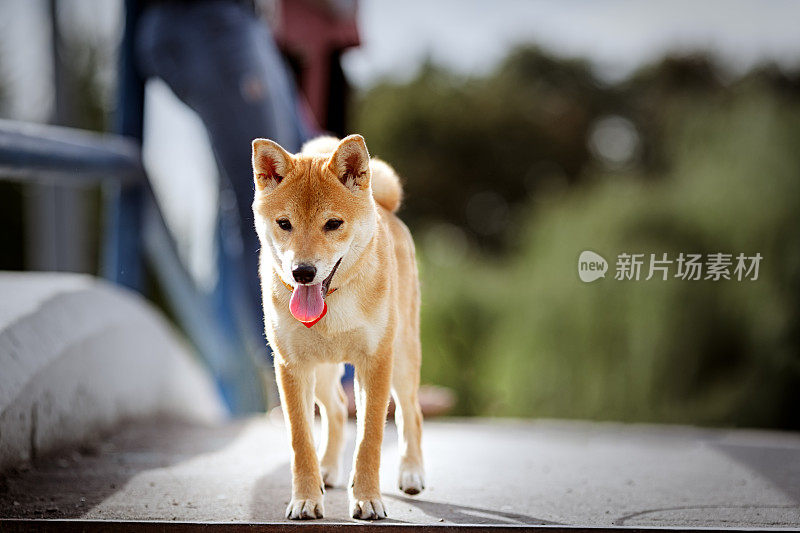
220	60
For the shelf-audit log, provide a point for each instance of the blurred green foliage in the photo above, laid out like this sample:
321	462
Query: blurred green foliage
506	321
455	138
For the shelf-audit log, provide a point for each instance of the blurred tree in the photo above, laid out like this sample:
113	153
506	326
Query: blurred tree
60	224
650	97
710	165
81	65
455	139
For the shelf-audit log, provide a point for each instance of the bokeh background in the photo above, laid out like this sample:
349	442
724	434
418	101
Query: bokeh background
526	132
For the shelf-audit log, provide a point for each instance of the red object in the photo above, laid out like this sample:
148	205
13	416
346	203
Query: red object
324	311
311	31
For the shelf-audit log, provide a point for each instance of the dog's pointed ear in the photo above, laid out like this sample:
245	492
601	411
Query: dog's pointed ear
350	163
270	164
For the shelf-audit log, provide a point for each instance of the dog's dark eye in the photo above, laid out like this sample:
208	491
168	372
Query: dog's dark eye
284	224
333	224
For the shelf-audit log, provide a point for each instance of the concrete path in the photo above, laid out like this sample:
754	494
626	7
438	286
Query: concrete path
479	472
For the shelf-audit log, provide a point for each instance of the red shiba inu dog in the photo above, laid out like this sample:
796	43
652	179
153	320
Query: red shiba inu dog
339	282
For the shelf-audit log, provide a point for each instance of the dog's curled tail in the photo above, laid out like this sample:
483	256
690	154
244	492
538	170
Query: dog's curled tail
386	188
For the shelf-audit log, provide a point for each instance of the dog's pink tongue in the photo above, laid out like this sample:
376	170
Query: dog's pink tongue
307	304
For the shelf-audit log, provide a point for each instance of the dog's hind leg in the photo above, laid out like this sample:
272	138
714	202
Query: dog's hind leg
333	409
408	418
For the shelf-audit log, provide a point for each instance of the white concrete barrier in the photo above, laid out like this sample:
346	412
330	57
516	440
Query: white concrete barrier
78	356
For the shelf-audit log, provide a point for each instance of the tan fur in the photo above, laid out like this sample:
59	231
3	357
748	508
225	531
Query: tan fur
386	187
372	320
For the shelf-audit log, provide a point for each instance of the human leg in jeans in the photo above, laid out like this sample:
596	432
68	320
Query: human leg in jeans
220	60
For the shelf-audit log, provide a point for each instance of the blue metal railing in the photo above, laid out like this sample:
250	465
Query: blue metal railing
67	156
135	233
63	156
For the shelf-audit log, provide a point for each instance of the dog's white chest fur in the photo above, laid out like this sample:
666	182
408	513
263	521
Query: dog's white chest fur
345	332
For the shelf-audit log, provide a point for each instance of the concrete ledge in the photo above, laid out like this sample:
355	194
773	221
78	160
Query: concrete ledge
79	355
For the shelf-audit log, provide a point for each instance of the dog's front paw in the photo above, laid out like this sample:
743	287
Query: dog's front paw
411	479
367	508
308	509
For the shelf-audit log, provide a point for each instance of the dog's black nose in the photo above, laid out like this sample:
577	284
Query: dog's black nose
304	273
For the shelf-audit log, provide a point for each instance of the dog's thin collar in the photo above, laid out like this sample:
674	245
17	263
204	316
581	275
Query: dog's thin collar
291	289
